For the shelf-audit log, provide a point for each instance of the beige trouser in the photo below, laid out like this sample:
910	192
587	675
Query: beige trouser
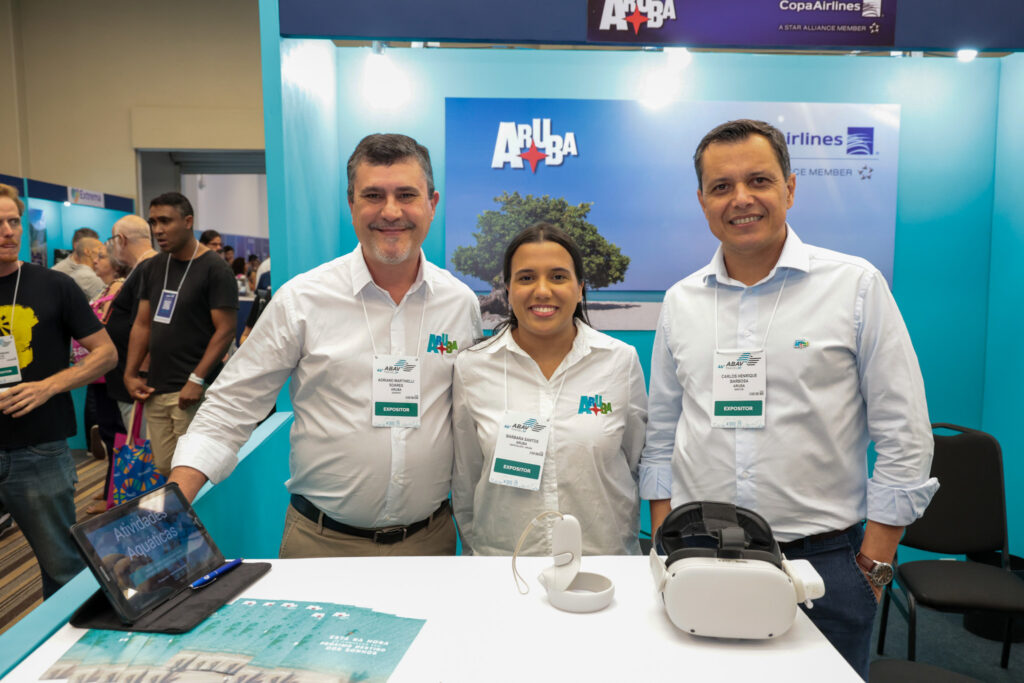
305	538
165	423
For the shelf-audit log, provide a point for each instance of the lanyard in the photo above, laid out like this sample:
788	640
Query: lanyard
554	403
764	342
366	317
167	269
17	281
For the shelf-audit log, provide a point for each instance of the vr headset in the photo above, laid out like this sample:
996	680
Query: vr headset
725	576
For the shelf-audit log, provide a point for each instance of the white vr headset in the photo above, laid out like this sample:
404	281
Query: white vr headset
725	576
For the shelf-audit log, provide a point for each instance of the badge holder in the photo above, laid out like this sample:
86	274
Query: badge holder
568	588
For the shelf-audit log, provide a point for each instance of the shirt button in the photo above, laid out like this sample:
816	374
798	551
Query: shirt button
745	474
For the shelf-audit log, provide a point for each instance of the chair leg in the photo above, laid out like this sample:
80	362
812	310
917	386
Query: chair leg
911	627
1007	639
886	597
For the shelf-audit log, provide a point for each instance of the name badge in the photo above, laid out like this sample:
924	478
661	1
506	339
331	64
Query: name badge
165	307
396	391
10	370
738	389
519	452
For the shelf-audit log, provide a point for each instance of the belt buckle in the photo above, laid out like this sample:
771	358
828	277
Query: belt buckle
390	536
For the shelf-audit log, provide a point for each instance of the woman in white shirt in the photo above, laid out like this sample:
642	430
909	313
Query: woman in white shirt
549	413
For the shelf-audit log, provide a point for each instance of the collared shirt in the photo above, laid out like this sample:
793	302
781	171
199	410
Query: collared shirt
841	371
84	276
590	470
315	333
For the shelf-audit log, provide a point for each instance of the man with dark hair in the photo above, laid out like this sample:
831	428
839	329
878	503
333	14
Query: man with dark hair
212	240
368	341
772	407
81	264
40	312
228	252
186	318
83	232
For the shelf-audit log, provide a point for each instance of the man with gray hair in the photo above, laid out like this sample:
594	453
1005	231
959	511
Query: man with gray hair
360	339
130	243
81	264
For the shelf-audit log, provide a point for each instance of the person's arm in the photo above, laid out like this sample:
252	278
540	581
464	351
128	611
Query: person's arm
189	479
225	321
665	407
469	459
879	544
138	349
23	398
900	488
242	395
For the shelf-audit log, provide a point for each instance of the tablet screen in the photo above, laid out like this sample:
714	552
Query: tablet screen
147	550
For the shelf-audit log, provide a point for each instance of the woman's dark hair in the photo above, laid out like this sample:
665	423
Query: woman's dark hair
542	232
238	266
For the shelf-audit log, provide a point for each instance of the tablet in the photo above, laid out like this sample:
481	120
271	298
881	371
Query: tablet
147	550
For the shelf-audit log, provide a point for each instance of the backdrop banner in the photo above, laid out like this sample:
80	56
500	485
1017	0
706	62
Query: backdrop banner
619	177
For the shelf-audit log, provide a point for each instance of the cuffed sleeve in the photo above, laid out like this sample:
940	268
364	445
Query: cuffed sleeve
899	506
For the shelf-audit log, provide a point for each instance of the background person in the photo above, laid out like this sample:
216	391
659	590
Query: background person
546	363
40	312
212	240
188	306
81	265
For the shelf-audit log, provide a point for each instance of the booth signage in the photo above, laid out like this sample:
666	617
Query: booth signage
625	170
746	23
77	195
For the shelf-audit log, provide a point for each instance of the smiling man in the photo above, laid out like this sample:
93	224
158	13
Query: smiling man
773	368
186	318
372	446
40	312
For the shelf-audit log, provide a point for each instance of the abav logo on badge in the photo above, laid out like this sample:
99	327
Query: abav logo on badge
401	365
531	424
860	141
623	15
533	142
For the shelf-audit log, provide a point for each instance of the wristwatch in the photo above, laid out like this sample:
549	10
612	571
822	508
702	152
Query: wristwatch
878	573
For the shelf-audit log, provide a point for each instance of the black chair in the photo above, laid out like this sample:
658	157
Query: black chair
967	515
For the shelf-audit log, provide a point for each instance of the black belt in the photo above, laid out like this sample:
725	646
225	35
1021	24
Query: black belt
385	536
788	545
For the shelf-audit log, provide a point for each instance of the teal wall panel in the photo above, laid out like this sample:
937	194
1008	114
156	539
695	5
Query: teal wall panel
1004	370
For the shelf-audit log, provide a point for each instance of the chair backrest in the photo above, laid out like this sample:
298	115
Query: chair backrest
968	512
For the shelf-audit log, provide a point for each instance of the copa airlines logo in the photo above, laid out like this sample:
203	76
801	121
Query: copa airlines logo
401	365
438	343
623	15
513	138
594	404
745	358
530	425
859	140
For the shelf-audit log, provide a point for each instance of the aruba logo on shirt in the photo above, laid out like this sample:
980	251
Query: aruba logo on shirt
514	137
594	404
438	343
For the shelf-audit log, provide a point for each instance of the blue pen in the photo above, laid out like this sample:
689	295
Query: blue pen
212	576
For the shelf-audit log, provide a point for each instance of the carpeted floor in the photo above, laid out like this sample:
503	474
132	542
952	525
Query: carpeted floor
20	585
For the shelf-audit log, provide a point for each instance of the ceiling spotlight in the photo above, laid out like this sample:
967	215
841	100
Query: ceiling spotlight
966	55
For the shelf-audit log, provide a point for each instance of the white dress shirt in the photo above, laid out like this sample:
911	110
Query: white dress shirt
841	371
590	470
315	333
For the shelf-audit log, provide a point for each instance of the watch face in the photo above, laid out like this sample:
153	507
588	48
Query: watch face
881	574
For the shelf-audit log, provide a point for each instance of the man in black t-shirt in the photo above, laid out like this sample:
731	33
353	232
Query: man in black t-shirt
187	316
40	312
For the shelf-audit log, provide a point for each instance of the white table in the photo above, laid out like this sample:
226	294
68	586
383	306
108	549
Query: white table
479	628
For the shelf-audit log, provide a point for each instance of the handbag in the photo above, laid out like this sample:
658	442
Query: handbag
132	471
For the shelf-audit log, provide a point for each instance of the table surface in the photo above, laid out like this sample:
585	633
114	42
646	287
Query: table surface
480	628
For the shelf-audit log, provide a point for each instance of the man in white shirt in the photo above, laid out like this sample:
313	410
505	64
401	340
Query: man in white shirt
368	341
773	367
